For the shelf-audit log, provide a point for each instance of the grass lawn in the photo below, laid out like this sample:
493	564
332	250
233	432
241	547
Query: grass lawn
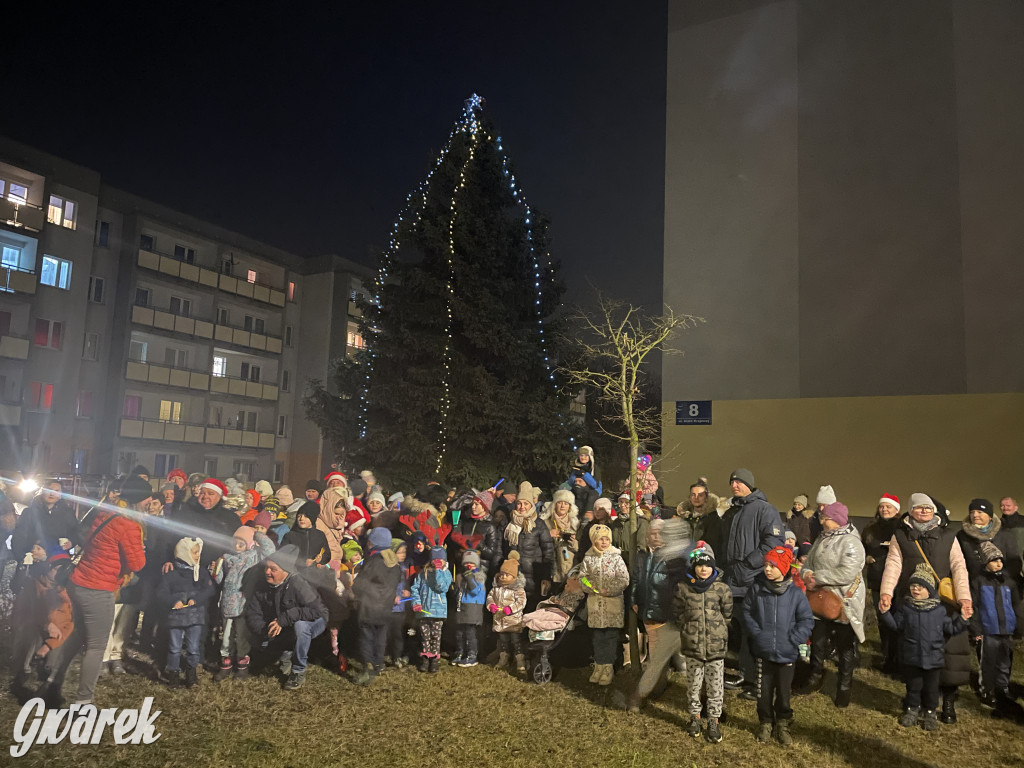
482	717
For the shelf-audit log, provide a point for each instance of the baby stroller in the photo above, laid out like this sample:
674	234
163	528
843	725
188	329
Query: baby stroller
543	642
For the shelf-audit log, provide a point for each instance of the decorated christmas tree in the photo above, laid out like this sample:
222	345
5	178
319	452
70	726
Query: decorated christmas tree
458	380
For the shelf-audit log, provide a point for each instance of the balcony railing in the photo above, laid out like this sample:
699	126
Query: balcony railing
22	215
203	329
168	265
166	375
180	432
14	347
229	385
15	280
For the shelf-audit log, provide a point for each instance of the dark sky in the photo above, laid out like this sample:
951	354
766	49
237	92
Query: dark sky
307	130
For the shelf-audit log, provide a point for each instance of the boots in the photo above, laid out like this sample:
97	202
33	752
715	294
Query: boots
910	717
847	662
191	677
224	671
929	722
595	676
503	659
242	668
173	678
782	734
607	673
764	733
949	697
432	666
521	663
424	664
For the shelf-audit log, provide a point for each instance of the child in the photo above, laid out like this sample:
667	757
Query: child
703	609
923	626
604	577
184	592
506	601
431	604
353	556
251	546
375	588
314	550
552	615
396	623
995	625
776	618
470	612
42	616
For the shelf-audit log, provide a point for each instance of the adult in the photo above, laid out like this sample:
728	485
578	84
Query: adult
113	551
825	496
504	503
203	516
561	516
313	490
799	519
285	614
1011	517
48	521
623	520
698	509
922	534
533	543
835	563
981	525
335	479
584	488
195	480
876	538
479	523
752	527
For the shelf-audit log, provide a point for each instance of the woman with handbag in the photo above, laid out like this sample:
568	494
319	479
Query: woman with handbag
837	594
923	538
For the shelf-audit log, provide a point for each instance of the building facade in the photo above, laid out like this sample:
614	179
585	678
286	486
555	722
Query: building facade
134	334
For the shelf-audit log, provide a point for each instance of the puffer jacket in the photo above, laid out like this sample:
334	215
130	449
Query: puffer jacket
604	572
232	573
565	547
876	538
754	528
47	526
536	555
697	517
115	551
997	608
379	576
292	600
650	585
836	559
777	623
182	585
923	633
513	596
703	618
971	537
429	591
490	545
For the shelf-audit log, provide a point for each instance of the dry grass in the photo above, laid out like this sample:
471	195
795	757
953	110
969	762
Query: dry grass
482	717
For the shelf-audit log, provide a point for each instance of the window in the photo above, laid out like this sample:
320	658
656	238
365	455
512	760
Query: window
355	337
40	396
216	415
278	472
285	381
61	212
246	420
226	265
147	242
220	366
137	351
49	333
11	256
132	406
250	276
125	462
5	323
16	193
184	253
287	335
250	372
91	346
223	315
180	306
102	233
142	297
255	324
164	463
96	286
210	467
176	358
244	470
56	273
282	426
291	291
170	410
83	405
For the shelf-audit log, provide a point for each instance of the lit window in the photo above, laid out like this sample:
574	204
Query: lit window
355	337
16	193
137	351
91	348
291	291
250	276
220	366
11	256
56	273
49	333
40	396
61	212
170	410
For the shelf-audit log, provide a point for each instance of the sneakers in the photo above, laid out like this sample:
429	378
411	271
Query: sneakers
694	728
910	717
607	674
242	668
116	667
713	735
469	661
782	734
930	722
224	671
173	678
456	660
764	733
295	681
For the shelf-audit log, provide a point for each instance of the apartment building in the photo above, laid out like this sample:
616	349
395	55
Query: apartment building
134	334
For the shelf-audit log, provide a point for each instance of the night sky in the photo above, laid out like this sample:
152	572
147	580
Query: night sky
307	131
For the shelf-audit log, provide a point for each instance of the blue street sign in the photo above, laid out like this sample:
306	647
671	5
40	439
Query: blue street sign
693	412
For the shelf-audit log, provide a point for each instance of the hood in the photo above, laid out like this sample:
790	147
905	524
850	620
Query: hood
328	500
970	529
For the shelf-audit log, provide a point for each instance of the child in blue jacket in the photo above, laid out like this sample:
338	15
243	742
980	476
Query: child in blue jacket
431	606
184	592
776	618
470	613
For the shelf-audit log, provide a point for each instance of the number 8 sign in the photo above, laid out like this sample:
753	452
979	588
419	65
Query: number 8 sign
690	412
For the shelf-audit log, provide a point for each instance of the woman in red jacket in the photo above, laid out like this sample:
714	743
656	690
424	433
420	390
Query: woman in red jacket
113	550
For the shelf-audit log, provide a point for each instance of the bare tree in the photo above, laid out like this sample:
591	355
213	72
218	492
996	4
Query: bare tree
614	345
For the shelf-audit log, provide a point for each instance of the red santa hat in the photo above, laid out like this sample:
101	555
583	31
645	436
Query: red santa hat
889	498
215	485
356	518
335	475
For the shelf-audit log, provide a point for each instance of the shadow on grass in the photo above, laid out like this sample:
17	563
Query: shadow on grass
854	747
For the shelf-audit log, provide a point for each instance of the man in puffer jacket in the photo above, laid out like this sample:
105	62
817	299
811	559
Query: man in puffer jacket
375	590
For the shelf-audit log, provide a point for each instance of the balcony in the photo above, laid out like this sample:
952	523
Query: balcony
167	376
10	415
14	347
22	215
152	429
168	265
227	385
203	329
15	280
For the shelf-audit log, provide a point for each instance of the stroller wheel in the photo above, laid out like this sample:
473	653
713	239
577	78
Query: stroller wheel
542	671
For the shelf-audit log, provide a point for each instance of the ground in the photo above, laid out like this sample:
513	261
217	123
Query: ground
482	716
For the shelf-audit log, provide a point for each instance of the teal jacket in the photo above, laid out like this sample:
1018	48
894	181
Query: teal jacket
430	591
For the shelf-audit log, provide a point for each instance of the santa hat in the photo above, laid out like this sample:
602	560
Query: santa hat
215	485
890	498
335	476
355	518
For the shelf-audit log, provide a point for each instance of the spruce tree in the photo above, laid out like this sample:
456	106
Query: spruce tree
459	379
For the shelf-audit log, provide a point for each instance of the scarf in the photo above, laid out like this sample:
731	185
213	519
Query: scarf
922	605
779	587
922	527
700	586
520	523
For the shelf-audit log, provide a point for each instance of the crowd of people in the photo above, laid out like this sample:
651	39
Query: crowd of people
193	571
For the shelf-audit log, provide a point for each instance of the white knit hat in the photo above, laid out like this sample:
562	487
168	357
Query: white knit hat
826	495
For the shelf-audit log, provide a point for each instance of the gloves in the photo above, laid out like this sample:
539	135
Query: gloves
417	608
492	608
508	610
